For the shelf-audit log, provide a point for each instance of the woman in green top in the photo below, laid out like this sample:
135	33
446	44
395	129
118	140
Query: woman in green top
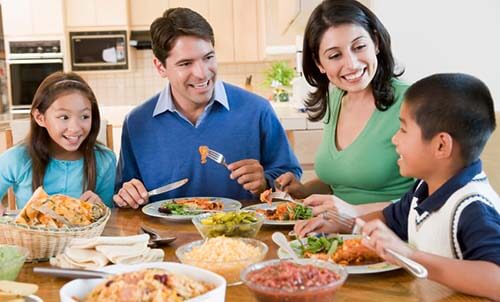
347	57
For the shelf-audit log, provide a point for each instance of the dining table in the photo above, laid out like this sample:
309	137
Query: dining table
397	285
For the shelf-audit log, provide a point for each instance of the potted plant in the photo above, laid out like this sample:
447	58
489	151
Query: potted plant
279	77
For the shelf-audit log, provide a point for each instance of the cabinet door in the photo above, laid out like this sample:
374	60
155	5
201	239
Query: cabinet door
17	17
80	13
246	31
111	12
221	19
198	6
144	12
47	17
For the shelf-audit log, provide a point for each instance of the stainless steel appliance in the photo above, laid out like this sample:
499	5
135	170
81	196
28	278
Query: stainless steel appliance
29	63
98	50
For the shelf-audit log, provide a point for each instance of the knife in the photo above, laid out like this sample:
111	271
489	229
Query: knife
168	187
70	273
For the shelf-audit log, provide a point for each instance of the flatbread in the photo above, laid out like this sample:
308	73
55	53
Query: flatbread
17	288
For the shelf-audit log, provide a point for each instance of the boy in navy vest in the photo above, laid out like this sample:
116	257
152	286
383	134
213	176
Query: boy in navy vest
450	219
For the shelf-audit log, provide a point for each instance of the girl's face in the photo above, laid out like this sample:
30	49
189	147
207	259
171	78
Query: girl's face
68	121
348	57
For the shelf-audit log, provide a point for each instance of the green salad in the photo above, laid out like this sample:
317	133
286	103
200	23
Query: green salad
177	209
318	244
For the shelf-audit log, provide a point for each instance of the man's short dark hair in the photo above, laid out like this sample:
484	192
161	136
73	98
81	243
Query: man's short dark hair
455	103
174	23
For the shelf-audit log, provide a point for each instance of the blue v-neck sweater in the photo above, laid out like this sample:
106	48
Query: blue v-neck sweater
164	148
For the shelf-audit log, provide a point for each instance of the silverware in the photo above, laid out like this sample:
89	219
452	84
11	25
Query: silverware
168	187
70	273
415	268
280	239
156	239
217	157
12	213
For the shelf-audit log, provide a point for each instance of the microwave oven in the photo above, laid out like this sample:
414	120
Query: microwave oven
98	50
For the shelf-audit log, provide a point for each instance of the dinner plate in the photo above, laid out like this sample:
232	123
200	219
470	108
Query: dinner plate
152	208
351	269
80	288
33	298
272	206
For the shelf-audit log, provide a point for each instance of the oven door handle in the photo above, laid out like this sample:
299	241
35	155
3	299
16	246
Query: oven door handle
35	61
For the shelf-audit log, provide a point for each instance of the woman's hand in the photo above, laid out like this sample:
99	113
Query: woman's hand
315	225
91	197
322	203
288	183
379	237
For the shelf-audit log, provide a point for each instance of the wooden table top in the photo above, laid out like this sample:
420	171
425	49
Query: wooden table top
394	286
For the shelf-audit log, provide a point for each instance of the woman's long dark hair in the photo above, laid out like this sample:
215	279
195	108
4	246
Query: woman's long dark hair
334	13
37	143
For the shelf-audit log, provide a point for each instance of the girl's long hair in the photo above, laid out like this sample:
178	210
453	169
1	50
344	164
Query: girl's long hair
334	13
37	142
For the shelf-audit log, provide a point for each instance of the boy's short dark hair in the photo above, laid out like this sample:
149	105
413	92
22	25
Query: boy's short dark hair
174	23
456	103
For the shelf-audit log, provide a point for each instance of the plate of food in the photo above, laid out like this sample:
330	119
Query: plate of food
281	212
185	208
345	250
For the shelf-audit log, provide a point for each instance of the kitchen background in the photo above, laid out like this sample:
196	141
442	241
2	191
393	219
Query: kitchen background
428	36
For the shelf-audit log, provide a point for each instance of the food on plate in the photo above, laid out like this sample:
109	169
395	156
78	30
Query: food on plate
229	224
58	211
11	261
203	153
223	255
266	196
338	250
287	211
190	206
16	291
148	285
294	281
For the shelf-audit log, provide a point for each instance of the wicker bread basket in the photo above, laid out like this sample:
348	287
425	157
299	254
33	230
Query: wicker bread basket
43	242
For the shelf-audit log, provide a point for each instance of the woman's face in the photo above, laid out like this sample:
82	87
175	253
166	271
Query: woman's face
348	57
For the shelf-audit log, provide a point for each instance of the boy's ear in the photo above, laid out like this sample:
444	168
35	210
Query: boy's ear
160	67
443	143
39	118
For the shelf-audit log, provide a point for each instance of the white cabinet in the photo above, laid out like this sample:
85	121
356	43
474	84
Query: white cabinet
32	17
96	13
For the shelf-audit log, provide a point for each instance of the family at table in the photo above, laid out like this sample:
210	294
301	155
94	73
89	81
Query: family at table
400	161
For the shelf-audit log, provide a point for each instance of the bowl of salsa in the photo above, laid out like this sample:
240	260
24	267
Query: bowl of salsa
294	280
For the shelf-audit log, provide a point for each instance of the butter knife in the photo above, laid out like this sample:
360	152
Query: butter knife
168	187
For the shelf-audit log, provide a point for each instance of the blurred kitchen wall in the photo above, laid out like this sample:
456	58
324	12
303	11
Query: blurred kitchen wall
431	36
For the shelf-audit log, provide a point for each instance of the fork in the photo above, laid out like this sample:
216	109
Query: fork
217	157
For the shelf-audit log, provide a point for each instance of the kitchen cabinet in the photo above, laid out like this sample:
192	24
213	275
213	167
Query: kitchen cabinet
144	12
95	13
32	18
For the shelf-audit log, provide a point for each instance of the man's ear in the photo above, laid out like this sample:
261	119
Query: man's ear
160	67
443	145
39	118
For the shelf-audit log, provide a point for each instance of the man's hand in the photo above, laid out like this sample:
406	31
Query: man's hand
132	194
288	183
250	174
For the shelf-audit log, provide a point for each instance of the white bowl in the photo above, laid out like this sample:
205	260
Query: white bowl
80	288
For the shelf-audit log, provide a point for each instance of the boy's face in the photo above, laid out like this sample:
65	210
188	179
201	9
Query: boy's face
191	69
415	154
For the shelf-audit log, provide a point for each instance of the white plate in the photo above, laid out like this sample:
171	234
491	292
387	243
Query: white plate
272	206
152	208
79	288
351	269
33	298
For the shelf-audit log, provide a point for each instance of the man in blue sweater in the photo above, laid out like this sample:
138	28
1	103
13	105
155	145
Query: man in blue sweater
160	138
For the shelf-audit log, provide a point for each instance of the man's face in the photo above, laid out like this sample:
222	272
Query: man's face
191	69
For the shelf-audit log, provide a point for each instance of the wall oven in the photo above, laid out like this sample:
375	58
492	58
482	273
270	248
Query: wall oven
29	63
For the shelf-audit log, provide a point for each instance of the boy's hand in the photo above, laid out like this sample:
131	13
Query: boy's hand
379	237
91	197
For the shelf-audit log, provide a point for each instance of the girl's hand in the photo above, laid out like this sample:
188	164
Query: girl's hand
91	197
315	225
2	210
380	238
288	183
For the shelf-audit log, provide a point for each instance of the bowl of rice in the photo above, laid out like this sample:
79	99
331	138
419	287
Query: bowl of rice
226	256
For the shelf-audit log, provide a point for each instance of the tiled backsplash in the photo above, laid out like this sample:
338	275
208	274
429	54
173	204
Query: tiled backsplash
142	81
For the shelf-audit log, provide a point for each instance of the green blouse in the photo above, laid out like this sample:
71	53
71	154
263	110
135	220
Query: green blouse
367	170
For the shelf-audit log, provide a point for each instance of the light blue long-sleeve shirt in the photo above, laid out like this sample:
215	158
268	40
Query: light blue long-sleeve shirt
61	176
